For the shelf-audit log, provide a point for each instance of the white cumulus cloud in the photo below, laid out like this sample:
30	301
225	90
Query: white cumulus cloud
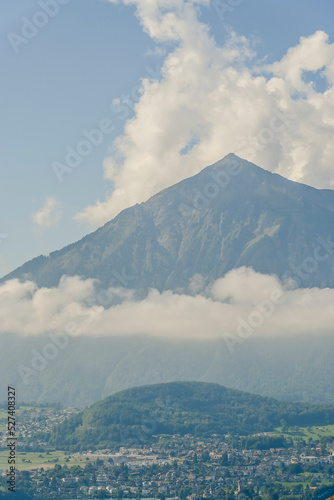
212	100
242	304
49	215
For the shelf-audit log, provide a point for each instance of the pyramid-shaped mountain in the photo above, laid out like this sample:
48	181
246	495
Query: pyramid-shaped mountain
231	214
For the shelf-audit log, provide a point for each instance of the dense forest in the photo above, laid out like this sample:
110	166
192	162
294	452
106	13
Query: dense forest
141	414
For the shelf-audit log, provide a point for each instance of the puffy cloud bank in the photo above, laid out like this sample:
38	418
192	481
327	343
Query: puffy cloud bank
212	100
241	304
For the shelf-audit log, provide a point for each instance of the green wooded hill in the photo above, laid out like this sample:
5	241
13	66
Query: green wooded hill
139	415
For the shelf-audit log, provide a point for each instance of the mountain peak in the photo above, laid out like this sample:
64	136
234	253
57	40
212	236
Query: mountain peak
235	165
231	156
231	214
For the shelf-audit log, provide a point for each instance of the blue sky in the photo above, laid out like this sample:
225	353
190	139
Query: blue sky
65	80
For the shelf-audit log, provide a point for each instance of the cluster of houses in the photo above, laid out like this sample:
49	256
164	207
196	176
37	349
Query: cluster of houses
185	467
32	421
177	467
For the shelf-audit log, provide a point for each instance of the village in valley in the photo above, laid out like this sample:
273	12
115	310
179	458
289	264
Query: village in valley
292	463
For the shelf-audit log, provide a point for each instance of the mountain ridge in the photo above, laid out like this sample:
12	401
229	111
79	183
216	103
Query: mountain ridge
231	214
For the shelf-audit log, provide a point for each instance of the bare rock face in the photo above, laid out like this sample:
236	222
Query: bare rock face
231	214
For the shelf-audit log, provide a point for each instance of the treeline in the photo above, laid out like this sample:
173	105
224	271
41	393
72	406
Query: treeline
263	442
141	414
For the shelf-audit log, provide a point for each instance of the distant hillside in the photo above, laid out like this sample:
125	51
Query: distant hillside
90	368
231	214
140	414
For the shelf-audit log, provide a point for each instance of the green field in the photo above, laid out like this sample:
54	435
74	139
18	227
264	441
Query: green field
313	432
28	461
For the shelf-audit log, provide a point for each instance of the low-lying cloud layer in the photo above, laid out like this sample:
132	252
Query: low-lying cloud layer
212	100
242	304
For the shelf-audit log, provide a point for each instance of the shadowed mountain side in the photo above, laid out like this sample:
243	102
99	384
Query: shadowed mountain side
87	370
231	214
